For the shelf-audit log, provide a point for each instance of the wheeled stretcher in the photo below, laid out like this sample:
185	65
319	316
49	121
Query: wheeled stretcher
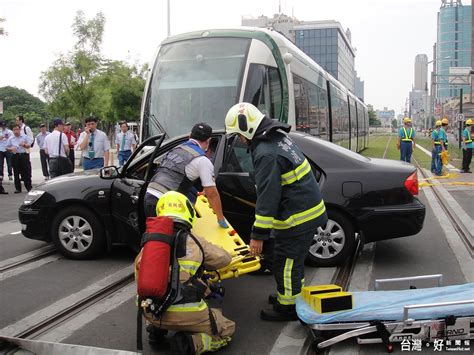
205	226
429	315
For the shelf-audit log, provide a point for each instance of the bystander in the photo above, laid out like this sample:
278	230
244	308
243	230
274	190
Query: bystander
43	156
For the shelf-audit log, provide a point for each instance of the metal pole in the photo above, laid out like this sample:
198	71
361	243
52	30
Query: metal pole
459	121
169	31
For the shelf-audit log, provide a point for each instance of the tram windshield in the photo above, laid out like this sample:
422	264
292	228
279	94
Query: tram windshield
194	81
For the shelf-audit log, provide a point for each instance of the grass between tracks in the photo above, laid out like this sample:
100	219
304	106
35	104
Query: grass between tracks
379	143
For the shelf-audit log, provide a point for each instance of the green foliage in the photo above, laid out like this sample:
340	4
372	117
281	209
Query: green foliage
394	123
2	30
373	120
20	102
82	82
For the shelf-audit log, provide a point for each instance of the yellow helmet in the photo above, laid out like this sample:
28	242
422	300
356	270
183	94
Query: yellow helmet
444	121
469	121
243	118
438	123
177	206
406	120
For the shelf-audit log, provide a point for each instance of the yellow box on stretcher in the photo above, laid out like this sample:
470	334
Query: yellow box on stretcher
205	226
327	298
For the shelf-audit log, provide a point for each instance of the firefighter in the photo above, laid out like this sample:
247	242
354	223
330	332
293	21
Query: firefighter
467	147
181	167
289	203
436	165
406	140
199	328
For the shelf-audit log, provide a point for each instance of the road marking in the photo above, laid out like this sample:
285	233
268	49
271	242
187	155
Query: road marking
54	308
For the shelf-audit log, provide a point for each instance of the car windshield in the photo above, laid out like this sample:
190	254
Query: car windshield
194	81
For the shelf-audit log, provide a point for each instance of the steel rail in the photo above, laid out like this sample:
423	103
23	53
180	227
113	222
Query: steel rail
457	225
69	312
27	260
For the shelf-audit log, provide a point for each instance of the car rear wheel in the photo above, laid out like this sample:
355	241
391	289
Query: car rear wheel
334	242
77	233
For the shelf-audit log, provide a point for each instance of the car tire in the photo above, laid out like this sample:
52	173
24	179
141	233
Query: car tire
333	243
78	233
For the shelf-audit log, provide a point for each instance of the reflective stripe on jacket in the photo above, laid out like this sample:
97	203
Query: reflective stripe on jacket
289	201
408	136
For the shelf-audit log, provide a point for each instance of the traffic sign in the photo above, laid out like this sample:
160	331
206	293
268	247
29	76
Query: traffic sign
460	116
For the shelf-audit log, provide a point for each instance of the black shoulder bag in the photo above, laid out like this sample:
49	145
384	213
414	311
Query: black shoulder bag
64	163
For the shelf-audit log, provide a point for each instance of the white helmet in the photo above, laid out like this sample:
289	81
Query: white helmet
243	118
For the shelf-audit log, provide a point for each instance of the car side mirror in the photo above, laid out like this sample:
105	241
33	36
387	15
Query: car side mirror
109	172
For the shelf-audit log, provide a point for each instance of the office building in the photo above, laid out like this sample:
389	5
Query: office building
454	39
359	87
421	72
280	22
330	46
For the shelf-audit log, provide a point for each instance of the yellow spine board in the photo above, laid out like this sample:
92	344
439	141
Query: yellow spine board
205	226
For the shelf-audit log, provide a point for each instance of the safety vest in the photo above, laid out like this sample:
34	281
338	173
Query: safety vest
171	174
300	206
435	137
408	137
469	139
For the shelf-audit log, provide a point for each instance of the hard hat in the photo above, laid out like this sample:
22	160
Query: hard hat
469	121
243	118
444	121
177	206
438	123
406	120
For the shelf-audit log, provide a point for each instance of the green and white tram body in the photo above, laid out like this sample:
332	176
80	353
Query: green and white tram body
198	76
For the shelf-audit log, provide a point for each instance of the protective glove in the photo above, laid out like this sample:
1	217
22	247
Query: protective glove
223	223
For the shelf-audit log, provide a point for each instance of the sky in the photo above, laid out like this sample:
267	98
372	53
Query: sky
387	34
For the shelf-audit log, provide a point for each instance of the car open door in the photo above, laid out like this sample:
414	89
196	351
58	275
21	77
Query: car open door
128	191
236	185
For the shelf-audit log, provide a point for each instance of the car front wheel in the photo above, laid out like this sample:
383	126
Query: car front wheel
333	242
77	233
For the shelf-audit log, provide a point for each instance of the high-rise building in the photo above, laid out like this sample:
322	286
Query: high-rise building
421	72
325	42
330	46
359	87
453	44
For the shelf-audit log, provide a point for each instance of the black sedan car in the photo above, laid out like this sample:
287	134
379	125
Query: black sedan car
84	214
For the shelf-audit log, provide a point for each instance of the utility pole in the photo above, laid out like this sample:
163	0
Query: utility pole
169	25
459	121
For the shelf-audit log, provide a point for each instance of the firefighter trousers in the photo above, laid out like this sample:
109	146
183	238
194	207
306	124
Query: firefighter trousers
289	254
198	325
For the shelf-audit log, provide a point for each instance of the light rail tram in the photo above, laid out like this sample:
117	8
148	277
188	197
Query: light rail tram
198	76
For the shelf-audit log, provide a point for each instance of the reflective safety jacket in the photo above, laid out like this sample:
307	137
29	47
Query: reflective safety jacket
467	138
171	173
289	201
407	136
435	137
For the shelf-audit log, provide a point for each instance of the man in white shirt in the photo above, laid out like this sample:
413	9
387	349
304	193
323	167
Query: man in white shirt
57	147
43	156
5	155
18	145
26	130
94	145
126	143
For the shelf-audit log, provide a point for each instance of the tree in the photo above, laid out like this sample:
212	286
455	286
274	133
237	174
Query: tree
2	30
65	85
373	120
394	123
20	102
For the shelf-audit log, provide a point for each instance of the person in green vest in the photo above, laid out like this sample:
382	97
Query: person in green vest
406	140
467	147
435	152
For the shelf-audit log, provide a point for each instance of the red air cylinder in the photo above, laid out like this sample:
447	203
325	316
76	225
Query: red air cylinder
155	262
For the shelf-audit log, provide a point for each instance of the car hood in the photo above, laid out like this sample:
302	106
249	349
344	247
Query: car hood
70	179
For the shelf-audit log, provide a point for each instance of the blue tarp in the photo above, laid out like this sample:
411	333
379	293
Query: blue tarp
388	305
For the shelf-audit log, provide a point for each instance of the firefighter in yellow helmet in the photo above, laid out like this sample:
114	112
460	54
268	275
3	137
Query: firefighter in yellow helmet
436	149
198	328
289	203
467	136
406	140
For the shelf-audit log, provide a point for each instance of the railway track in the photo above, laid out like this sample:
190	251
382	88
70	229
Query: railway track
9	266
458	225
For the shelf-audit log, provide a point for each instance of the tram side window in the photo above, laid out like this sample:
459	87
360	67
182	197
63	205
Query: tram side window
310	108
339	116
263	89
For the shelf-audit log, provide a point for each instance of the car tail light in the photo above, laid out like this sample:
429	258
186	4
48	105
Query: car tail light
411	184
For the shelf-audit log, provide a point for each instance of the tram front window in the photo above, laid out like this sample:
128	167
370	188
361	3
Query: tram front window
194	81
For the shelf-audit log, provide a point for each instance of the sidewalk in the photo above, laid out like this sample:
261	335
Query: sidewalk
457	191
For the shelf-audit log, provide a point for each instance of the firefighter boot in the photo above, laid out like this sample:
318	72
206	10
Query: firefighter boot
279	313
182	343
272	298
